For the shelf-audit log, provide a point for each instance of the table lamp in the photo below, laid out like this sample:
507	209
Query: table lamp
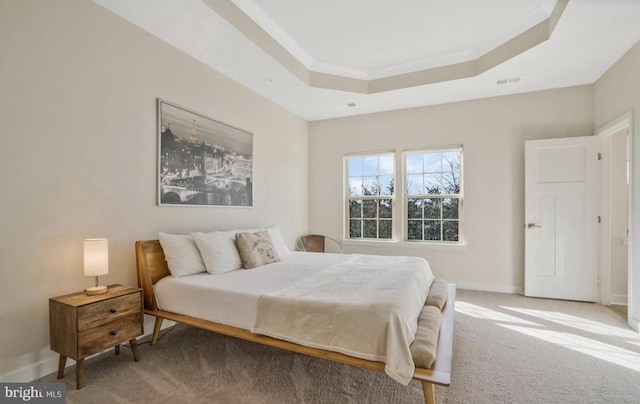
96	262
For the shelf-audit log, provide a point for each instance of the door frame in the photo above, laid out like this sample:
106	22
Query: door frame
605	272
604	266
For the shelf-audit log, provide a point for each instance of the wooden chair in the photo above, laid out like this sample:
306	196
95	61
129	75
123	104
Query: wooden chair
317	243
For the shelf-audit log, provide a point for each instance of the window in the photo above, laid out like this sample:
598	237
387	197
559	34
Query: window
433	181
370	194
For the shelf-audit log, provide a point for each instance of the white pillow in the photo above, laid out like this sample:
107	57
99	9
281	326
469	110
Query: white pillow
181	253
278	242
218	250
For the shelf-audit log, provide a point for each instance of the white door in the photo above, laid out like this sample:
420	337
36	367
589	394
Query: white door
562	177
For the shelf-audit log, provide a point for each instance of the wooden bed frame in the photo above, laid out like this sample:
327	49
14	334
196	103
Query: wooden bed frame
152	267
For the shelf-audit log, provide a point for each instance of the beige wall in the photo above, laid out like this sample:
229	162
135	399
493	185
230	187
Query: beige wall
493	132
616	93
78	157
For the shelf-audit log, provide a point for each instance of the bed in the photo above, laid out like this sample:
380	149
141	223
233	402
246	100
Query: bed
166	297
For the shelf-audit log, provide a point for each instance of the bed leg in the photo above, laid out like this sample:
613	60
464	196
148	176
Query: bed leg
156	330
429	393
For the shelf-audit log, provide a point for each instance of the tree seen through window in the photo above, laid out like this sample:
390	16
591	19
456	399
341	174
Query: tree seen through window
371	192
433	189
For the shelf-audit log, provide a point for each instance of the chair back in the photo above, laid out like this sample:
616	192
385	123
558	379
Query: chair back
312	243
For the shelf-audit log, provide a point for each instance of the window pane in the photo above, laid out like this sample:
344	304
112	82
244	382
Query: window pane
450	208
386	185
414	184
355	228
432	175
370	166
414	163
414	230
370	186
432	184
370	229
370	209
384	208
355	167
451	161
384	230
450	230
432	230
432	162
355	186
451	183
355	209
432	208
414	209
386	165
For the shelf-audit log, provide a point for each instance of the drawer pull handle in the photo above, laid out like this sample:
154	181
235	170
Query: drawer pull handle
112	311
114	332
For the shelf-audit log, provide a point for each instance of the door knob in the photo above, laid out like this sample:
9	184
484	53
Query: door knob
530	225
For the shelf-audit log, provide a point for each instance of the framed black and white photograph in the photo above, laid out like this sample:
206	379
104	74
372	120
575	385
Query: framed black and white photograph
202	162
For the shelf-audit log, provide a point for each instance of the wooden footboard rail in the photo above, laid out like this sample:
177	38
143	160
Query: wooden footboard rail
152	267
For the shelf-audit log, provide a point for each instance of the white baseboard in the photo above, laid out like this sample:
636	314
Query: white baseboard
33	371
490	288
49	365
620	300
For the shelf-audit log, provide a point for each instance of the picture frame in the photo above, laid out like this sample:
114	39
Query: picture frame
202	161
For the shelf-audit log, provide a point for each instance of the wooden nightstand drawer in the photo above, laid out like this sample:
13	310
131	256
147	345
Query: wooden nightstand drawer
94	315
107	335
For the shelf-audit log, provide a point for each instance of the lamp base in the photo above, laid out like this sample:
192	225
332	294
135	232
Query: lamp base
95	290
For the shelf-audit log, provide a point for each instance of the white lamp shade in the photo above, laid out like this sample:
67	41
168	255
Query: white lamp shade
96	256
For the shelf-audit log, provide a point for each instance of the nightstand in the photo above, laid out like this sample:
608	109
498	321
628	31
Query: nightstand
81	325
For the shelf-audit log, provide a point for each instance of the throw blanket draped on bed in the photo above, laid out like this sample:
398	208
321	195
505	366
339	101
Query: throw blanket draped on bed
366	307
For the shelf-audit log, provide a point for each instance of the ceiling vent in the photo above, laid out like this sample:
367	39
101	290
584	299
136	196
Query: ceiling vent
347	105
508	81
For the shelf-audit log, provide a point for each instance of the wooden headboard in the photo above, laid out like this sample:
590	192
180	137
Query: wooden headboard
152	267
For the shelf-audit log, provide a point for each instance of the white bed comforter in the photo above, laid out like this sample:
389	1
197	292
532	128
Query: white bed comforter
366	307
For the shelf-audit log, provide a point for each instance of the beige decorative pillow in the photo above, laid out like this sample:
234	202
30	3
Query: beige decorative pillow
256	249
425	345
438	294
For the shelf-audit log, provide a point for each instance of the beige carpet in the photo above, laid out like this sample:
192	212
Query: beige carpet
507	349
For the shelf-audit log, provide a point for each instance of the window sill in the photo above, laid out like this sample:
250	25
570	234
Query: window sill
406	244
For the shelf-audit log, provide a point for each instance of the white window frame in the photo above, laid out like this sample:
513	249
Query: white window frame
406	197
347	198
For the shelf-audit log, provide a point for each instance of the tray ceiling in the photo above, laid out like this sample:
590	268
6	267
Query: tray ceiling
329	58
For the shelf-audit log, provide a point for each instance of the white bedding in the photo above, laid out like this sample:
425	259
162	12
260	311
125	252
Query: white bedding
375	303
235	294
366	307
